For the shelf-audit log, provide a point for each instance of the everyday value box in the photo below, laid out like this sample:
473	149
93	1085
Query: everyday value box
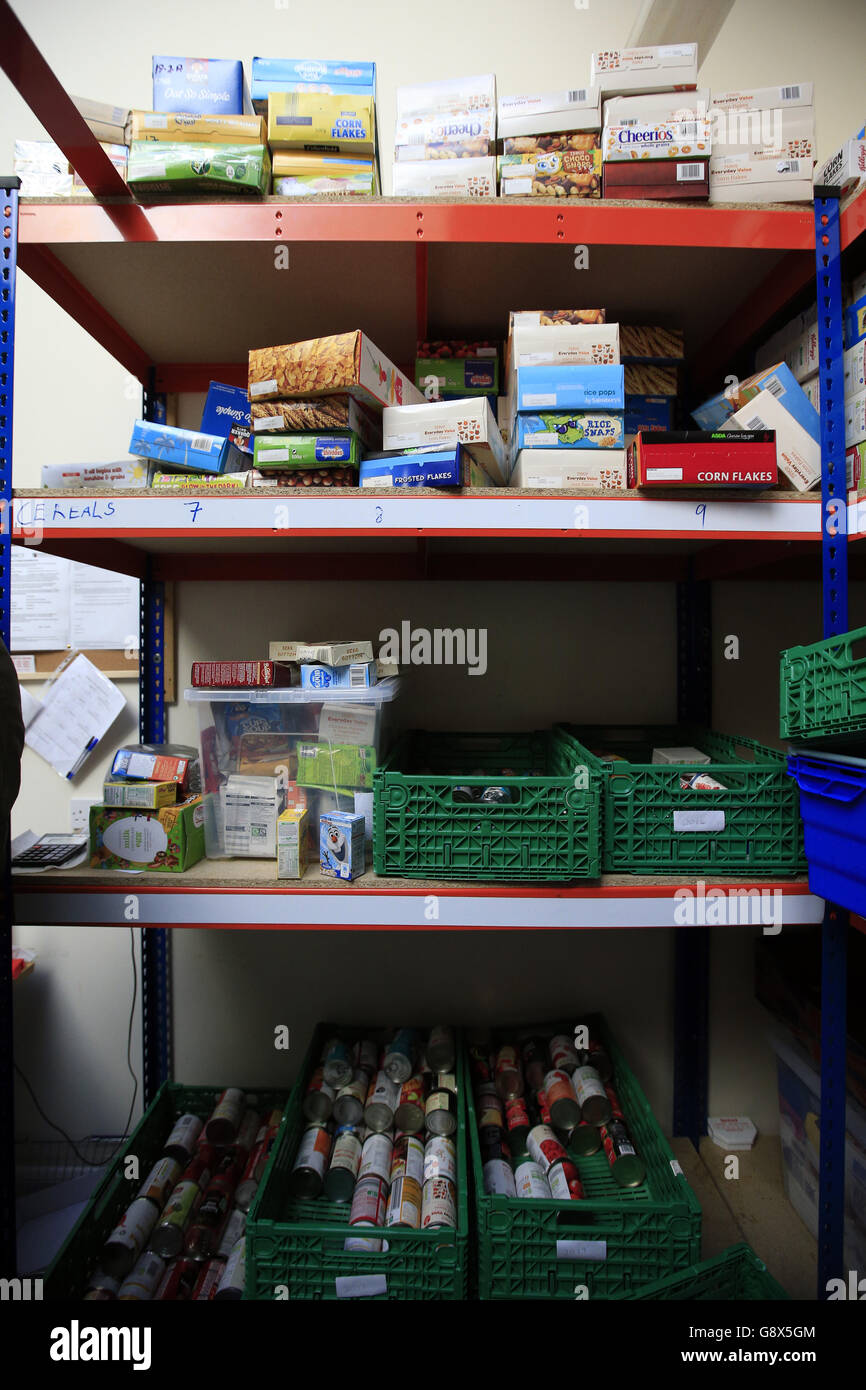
549	113
571	468
445	178
469	422
780	382
667	67
168	840
552	345
201	86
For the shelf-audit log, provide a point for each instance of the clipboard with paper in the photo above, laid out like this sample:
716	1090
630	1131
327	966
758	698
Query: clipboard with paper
76	710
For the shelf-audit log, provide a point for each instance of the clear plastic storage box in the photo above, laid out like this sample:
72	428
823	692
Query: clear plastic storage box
265	749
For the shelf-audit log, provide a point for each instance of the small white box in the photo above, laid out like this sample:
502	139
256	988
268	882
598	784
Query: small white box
658	106
425	99
845	169
550	345
679	755
445	178
785	177
470	422
126	473
812	389
582	468
781	191
549	113
855	419
751	136
667	67
797	454
854	366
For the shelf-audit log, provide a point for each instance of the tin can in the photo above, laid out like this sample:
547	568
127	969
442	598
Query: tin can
383	1097
562	1103
369	1202
500	796
247	1134
234	1228
441	1108
160	1180
207	1154
167	1239
217	1199
591	1096
545	1148
564	1182
533	1055
366	1056
141	1285
438	1204
440	1049
544	1115
319	1097
596	1056
399	1055
208	1281
311	1162
481	1063
199	1241
517	1125
498	1178
100	1282
128	1238
349	1102
178	1282
509	1080
440	1158
344	1165
563	1054
615	1107
336	1063
366	1245
376	1155
410	1109
100	1296
464	794
181	1143
493	1143
275	1119
625	1162
407	1159
231	1286
488	1106
404	1203
529	1180
248	1183
584	1140
225	1118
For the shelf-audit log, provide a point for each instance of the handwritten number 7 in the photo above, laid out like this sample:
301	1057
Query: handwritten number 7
195	508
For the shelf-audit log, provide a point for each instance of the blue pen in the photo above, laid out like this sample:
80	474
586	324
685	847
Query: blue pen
76	768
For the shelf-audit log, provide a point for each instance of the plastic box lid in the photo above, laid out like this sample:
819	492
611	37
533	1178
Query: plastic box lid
379	694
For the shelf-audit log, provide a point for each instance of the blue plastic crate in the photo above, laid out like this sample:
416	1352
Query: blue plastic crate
833	807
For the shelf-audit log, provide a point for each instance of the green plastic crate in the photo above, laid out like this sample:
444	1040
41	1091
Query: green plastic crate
296	1245
823	688
66	1277
736	1275
762	834
628	1236
549	831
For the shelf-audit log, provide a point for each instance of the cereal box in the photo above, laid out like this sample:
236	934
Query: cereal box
764	98
146	796
432	424
183	168
320	122
106	122
571	173
325	415
556	142
167	840
549	112
579	343
566	468
578	429
569	386
530	318
457	376
202	86
291	842
191	450
650	379
341	77
443	466
307	450
844	169
441	112
445	178
344	364
797	454
667	67
452	147
642	343
226	412
659	106
341	844
178	127
661	140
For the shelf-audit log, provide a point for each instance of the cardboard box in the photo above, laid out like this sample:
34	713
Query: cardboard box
765	137
812	391
323	123
445	178
251	806
854	366
190	450
351	185
357	675
147	796
119	157
327	414
854	322
641	343
447	141
307	450
151	762
443	466
797	454
855	465
661	140
781	190
227	413
42	168
570	387
202	86
198	482
434	424
700	458
290	162
342	77
650	379
328	764
779	380
570	468
106	122
657	178
457	376
580	429
855	419
658	106
537	318
185	168
764	98
845	169
744	170
177	128
292	842
322	653
670	67
558	142
237	675
548	113
557	173
127	473
644	412
550	346
341	844
167	840
344	364
666	756
454	98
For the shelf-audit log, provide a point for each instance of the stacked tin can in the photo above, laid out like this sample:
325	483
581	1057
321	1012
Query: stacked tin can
183	1237
541	1104
380	1133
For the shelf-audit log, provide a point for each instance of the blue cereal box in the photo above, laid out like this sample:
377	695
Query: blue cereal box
576	429
227	413
341	844
199	86
452	466
358	676
339	77
780	382
570	386
647	413
854	322
190	450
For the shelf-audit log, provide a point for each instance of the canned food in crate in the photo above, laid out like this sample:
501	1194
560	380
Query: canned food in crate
410	1110
100	1296
275	1119
366	1056
178	1282
493	1143
217	1199
440	1050
129	1237
564	1182
344	1165
497	796
615	1107
584	1139
440	1158
336	1063
167	1238
562	1103
545	1148
383	1097
407	1159
591	1096
517	1125
438	1204
498	1178
225	1118
186	1133
319	1097
376	1156
404	1203
463	795
160	1180
529	1179
533	1055
400	1055
441	1109
563	1054
509	1081
141	1285
231	1286
208	1281
311	1162
236	1224
625	1162
349	1102
488	1106
480	1064
199	1241
544	1114
596	1056
369	1202
100	1282
245	1142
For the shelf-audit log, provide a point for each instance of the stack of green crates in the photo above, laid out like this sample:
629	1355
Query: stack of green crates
546	830
823	689
615	1240
296	1245
736	1275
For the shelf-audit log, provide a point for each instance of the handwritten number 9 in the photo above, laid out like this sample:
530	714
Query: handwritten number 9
701	511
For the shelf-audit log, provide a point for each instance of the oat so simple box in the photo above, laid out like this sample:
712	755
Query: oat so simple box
344	364
203	86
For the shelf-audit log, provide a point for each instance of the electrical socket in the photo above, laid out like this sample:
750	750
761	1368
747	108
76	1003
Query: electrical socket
79	814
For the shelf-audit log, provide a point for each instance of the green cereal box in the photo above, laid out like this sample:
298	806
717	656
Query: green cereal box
338	450
184	168
168	840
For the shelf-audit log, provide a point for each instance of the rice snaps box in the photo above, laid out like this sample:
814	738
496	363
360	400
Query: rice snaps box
580	429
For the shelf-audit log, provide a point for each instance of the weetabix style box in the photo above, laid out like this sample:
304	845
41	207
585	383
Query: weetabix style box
343	364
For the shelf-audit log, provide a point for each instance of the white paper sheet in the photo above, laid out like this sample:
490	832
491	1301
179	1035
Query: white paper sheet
59	605
40	601
78	708
30	706
104	610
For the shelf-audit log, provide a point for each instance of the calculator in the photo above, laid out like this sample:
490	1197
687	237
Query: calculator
49	854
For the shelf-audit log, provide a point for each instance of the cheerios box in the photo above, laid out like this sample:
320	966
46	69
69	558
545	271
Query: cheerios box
167	840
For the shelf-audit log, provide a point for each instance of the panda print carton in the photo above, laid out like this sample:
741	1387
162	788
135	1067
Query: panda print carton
341	844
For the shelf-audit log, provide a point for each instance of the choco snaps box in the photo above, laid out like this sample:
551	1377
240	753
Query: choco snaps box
167	840
201	86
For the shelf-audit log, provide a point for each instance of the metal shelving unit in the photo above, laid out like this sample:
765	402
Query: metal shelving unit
114	266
